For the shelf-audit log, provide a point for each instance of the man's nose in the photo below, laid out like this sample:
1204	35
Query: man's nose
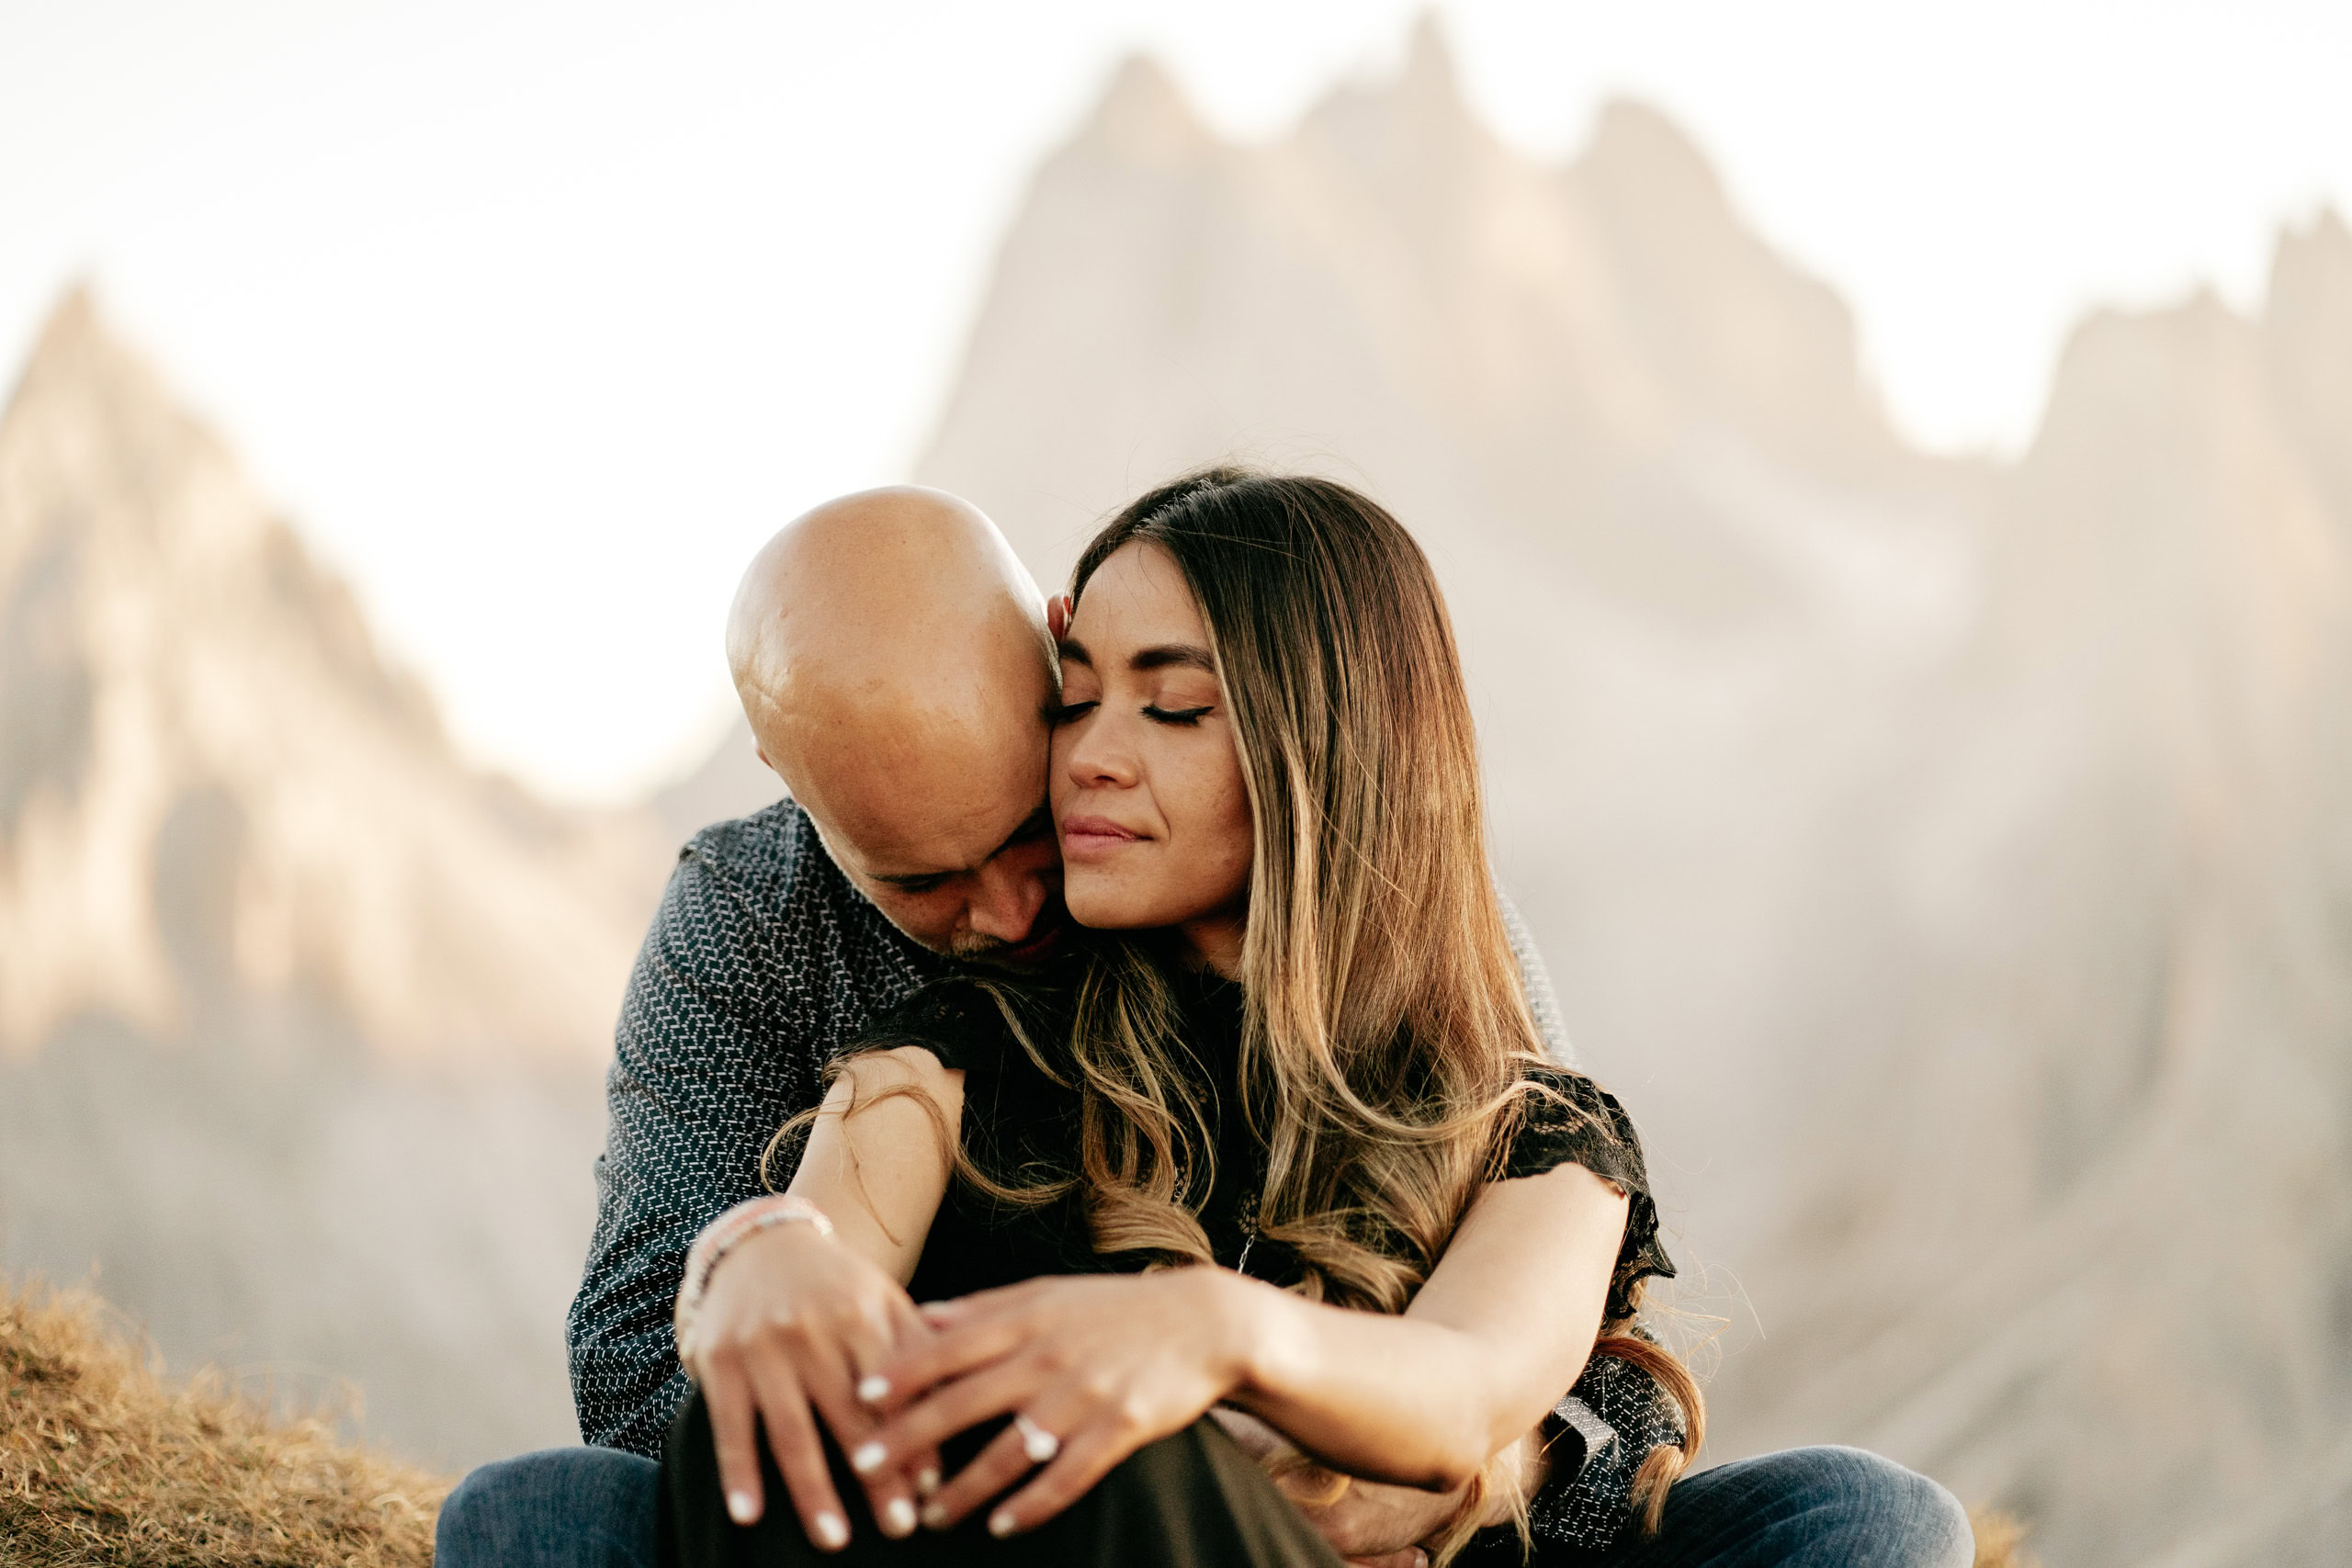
1006	902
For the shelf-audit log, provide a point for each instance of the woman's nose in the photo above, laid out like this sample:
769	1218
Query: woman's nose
1100	757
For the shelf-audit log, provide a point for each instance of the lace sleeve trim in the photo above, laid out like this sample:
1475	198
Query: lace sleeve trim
1570	1119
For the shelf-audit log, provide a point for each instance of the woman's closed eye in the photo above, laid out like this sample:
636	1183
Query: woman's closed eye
1065	713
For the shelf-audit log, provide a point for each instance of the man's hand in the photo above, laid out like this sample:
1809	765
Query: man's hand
791	1319
1371	1524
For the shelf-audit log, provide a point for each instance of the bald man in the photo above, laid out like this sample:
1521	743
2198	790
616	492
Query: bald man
892	656
894	663
893	659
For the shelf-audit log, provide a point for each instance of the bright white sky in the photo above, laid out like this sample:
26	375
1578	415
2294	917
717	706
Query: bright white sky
539	317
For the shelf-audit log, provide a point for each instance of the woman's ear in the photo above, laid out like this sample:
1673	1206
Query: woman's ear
1057	612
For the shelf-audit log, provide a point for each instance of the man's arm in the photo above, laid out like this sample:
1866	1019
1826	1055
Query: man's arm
709	1062
1535	981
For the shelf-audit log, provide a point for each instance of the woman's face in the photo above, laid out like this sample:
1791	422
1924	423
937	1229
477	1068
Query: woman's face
1147	785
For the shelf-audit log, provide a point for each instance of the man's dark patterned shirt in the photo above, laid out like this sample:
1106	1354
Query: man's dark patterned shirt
762	964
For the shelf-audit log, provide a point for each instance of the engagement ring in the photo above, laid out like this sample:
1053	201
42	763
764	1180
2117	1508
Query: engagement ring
1035	1441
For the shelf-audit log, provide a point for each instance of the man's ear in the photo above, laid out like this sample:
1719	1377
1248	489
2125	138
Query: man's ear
1058	609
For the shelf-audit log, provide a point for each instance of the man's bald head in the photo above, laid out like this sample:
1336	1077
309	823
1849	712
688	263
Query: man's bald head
891	654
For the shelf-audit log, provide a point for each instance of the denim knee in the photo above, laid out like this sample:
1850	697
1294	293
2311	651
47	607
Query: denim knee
577	1507
1818	1505
1888	1514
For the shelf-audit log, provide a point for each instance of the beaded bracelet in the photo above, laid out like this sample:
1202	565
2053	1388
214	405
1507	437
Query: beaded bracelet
721	1236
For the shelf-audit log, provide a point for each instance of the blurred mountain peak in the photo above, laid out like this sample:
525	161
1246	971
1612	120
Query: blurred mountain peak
219	800
1417	118
80	376
1431	81
2307	336
1144	116
300	1017
74	319
1641	157
2322	249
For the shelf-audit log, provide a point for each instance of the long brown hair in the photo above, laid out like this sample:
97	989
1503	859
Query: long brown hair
1385	1032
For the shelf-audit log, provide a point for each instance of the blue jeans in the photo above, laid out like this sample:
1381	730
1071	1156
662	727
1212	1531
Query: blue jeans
1809	1507
1822	1508
556	1508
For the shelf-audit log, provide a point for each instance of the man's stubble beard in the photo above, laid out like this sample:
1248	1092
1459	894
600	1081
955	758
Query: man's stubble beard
978	949
995	953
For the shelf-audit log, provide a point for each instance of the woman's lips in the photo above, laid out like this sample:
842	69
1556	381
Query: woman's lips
1083	837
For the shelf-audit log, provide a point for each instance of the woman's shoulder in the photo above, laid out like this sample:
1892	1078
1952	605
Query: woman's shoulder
1565	1118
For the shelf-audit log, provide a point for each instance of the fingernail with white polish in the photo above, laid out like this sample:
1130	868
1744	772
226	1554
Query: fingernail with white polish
873	1388
1001	1522
830	1533
936	1516
897	1517
926	1481
740	1509
868	1457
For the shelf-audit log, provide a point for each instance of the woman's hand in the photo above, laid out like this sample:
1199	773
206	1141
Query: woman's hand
1101	1364
792	1319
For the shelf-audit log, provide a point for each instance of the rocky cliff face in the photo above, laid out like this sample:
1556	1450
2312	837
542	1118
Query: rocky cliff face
204	754
300	1020
1948	860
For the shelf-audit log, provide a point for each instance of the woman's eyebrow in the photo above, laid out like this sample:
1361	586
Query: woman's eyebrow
1074	651
1178	655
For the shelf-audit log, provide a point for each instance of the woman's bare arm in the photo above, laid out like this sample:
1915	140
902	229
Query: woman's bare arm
882	1173
1504	1322
1107	1363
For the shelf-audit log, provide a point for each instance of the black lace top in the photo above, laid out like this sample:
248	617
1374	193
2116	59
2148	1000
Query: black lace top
1020	1126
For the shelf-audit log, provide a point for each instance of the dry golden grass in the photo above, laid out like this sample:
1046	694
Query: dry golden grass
102	1462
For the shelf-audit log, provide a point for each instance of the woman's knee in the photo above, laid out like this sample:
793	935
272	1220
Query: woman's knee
1192	1496
1886	1513
1828	1505
579	1507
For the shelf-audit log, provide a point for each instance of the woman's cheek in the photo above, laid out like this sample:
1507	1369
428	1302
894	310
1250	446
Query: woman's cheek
1221	840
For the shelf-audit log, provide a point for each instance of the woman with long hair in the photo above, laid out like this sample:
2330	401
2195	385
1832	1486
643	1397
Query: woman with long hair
1275	1147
